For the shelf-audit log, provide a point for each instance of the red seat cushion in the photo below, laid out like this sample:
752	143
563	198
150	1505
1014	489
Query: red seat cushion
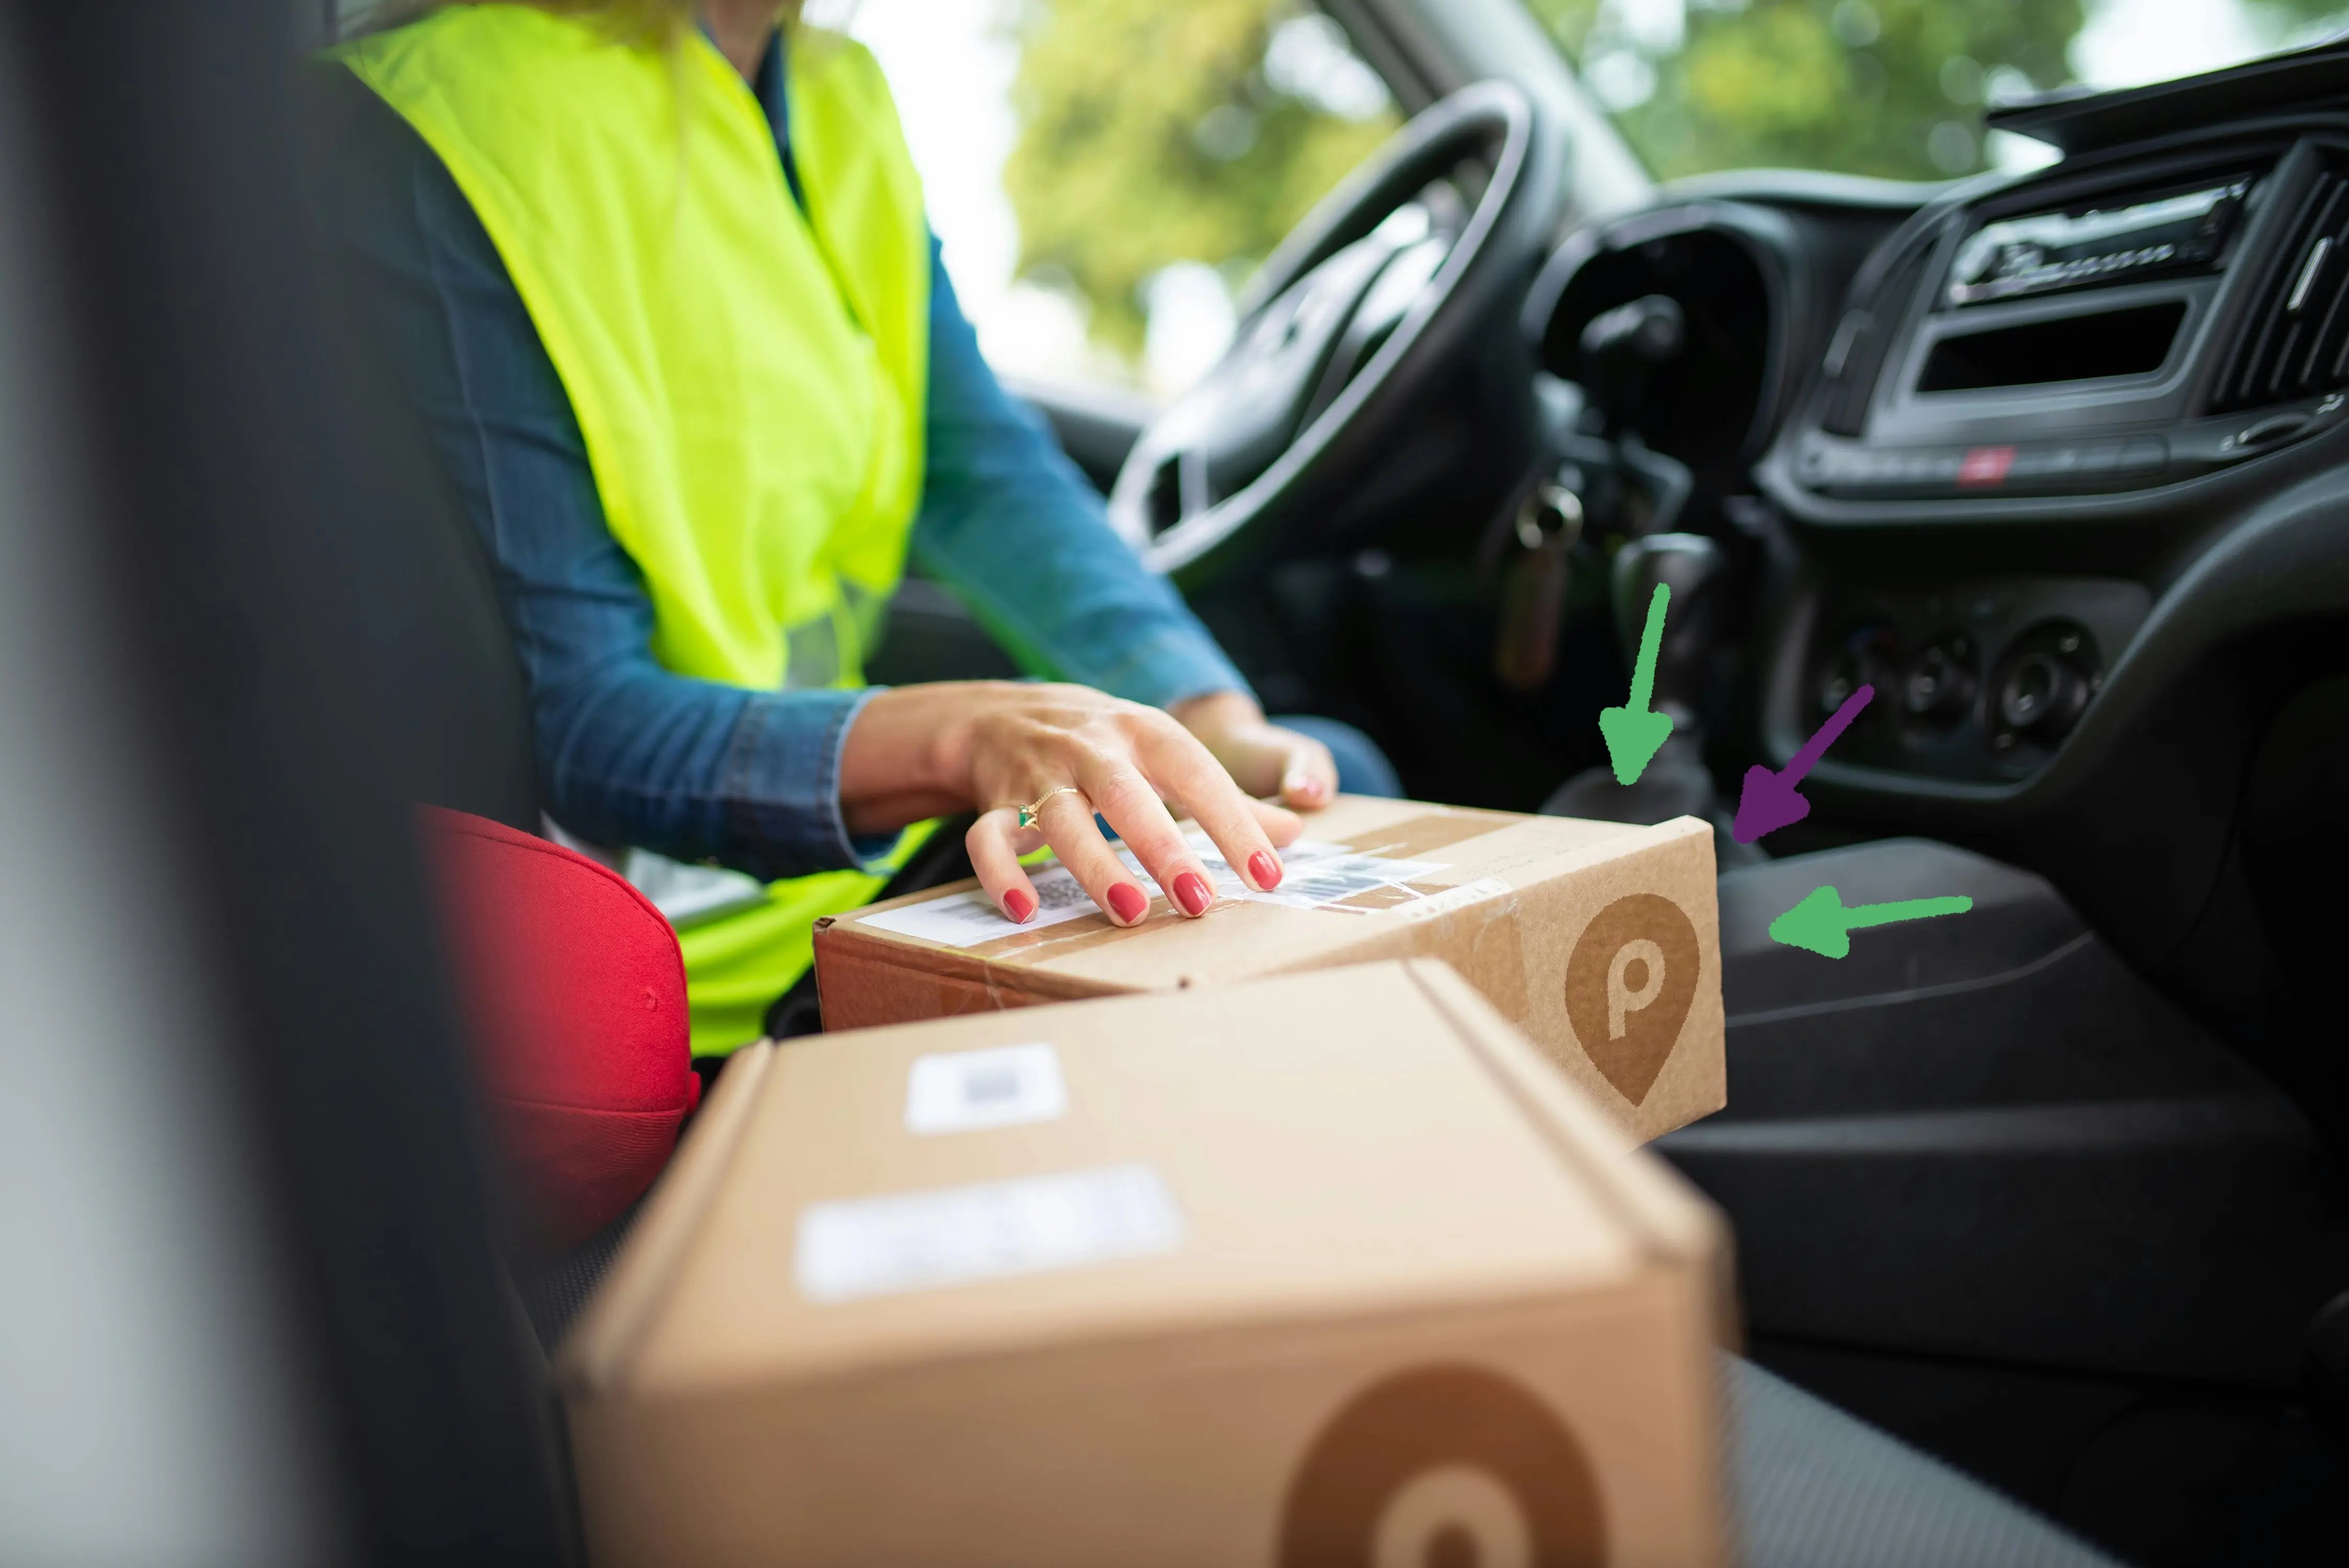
573	993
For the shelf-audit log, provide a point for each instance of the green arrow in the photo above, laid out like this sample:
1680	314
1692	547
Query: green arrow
1634	731
1823	924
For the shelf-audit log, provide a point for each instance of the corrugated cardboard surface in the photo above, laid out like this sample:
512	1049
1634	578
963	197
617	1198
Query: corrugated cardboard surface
1544	950
1394	1216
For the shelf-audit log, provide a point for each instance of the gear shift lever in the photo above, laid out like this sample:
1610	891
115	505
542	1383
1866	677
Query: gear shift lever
1622	350
1676	782
1689	565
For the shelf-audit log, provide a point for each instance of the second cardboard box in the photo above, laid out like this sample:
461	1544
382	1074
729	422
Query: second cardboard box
1317	1271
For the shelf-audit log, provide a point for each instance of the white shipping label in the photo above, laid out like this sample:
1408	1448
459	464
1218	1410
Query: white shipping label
861	1247
1313	873
967	919
968	1091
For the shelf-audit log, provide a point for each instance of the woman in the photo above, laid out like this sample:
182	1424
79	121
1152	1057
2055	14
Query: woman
659	278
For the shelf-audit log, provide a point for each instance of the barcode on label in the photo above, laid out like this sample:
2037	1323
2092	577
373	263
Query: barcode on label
1001	1086
990	1087
1451	898
1339	877
1058	891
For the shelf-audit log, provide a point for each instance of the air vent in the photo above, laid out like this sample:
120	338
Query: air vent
1855	358
2294	342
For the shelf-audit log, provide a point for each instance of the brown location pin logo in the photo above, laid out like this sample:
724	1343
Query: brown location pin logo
1443	1467
1629	984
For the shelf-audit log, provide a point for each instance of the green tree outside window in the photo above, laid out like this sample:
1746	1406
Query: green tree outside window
1153	132
1890	87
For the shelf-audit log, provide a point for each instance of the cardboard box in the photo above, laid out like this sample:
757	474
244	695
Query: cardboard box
1601	941
1331	1269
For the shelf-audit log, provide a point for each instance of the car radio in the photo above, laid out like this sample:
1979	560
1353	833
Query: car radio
2040	252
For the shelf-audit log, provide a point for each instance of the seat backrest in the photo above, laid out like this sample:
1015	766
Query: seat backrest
461	693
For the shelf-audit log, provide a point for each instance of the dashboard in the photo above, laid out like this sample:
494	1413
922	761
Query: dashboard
2035	457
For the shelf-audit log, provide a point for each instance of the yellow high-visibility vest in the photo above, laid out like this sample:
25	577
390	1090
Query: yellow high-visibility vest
749	377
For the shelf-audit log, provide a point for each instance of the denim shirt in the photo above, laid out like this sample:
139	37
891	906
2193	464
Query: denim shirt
629	752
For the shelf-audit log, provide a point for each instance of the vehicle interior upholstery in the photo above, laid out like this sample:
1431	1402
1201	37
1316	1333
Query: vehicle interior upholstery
2053	1194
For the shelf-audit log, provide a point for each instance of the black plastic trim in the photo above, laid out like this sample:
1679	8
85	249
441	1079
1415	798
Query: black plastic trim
1765	236
2287	561
2075	123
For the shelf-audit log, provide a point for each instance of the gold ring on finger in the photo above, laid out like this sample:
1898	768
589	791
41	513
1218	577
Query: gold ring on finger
1030	811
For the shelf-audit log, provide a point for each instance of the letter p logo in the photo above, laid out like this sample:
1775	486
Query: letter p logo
1625	995
1629	984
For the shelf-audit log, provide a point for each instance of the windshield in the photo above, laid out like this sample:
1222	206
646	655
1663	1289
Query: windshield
1891	87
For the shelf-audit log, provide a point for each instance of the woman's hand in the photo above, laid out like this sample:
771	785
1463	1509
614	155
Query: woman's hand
1071	751
1262	757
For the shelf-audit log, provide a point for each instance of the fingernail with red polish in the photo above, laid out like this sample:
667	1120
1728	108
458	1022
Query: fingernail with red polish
1019	906
1191	890
1265	870
1127	903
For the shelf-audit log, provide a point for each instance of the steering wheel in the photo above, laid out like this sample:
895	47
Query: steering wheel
1383	289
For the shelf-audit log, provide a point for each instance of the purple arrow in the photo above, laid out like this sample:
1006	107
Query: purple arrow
1769	800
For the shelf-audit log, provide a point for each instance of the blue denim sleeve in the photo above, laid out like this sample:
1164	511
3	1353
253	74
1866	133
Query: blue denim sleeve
1013	529
627	752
